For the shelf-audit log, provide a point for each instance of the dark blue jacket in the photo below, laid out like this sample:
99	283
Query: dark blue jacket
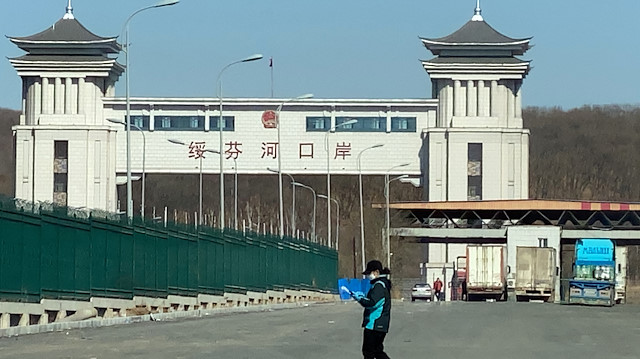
377	305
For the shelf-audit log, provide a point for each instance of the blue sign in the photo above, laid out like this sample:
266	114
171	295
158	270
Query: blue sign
594	250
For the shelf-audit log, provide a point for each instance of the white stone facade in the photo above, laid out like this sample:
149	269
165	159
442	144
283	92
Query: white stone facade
471	131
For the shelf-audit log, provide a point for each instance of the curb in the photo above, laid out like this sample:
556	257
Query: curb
159	317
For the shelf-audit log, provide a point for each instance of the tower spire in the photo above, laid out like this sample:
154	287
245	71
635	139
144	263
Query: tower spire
477	15
69	14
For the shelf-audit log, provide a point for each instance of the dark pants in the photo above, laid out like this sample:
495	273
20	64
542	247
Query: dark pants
372	347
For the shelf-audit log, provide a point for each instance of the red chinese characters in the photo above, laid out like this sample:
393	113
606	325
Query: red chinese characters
270	149
196	150
343	150
233	150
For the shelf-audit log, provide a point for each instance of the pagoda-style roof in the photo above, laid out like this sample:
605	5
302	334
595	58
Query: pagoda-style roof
67	35
476	35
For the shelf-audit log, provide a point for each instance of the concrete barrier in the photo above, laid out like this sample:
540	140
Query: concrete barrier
57	315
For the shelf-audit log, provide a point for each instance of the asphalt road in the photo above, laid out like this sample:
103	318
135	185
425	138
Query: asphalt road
418	330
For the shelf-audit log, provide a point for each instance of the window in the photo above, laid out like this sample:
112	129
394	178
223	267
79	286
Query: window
179	123
60	170
474	171
543	242
229	123
318	123
364	124
403	124
140	121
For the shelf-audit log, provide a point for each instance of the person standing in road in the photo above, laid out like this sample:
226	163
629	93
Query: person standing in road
377	310
437	288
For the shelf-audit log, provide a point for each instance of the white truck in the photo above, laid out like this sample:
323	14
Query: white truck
536	273
486	272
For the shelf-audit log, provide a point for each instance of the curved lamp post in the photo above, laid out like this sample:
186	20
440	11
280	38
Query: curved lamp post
125	48
361	204
337	218
144	157
326	142
313	220
293	200
279	146
178	142
221	127
386	196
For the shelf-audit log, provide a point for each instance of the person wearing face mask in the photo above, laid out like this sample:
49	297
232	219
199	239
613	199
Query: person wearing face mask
377	310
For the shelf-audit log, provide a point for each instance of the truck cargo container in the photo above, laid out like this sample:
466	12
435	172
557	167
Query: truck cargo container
536	273
486	272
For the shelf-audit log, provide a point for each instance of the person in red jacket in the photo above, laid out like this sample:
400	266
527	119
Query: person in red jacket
437	288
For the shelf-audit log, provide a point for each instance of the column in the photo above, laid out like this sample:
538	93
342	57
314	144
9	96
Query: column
30	103
450	101
207	119
472	109
494	99
68	83
152	119
58	97
46	98
510	101
37	100
457	100
518	110
81	85
482	99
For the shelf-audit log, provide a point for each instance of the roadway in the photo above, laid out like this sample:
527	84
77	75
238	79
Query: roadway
418	330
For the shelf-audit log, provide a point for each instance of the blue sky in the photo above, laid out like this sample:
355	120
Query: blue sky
586	51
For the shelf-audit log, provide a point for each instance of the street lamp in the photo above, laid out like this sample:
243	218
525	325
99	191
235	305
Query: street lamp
125	48
361	205
144	157
313	221
278	147
337	218
326	142
220	129
235	193
293	202
386	196
178	142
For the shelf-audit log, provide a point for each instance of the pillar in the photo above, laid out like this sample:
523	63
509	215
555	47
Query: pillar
68	83
494	99
458	100
47	107
472	109
58	96
81	86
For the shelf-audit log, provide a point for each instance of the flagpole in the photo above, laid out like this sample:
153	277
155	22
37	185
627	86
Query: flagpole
271	66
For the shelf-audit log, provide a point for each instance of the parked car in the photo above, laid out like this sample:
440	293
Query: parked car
422	291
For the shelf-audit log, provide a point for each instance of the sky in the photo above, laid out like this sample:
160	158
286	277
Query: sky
585	52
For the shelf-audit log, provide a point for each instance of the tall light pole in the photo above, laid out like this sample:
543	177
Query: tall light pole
361	204
178	142
387	245
293	201
278	147
144	159
235	194
128	119
337	218
313	220
221	127
326	142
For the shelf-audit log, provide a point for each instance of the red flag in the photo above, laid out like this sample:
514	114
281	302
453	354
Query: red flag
271	62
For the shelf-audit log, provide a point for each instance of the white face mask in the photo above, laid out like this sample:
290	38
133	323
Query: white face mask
372	276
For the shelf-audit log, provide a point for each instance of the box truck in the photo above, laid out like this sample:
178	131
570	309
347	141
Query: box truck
486	272
536	273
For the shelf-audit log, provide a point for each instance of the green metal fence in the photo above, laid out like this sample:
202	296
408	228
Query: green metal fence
61	253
